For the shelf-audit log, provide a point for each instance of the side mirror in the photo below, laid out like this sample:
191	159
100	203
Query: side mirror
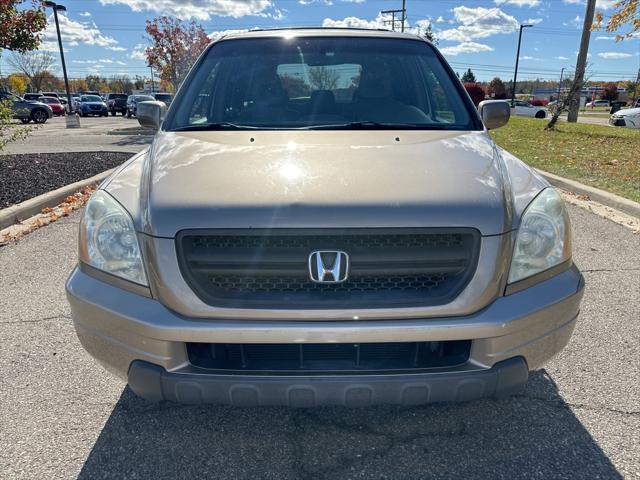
494	113
150	114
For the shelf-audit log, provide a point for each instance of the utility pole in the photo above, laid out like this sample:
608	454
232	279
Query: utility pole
152	86
560	85
581	63
515	73
403	16
61	8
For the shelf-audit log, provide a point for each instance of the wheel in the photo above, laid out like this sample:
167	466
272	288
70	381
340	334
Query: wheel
105	114
540	114
113	112
82	114
39	116
128	113
25	120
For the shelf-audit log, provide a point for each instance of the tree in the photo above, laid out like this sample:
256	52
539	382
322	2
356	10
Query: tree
35	65
322	78
468	77
564	99
78	85
428	33
10	131
17	83
175	47
475	91
626	12
120	83
497	89
295	86
610	92
20	27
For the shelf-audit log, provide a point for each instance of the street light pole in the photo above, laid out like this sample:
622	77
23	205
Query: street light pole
515	73
560	85
62	8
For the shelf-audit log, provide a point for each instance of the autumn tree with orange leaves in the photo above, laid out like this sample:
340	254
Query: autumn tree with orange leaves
175	46
627	12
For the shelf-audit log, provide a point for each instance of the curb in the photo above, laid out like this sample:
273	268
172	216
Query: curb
21	211
601	196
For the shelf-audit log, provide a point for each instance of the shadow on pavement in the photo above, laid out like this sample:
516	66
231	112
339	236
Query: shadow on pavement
534	435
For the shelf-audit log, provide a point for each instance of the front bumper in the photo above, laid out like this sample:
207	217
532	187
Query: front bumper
141	340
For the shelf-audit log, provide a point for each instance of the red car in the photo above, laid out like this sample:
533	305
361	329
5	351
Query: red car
55	105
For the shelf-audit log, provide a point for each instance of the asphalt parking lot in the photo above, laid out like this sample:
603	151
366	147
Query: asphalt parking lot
115	134
63	416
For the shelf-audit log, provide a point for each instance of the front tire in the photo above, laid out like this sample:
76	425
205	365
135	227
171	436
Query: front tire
540	114
39	116
113	113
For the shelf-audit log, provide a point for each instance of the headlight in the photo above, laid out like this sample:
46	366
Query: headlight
544	237
108	240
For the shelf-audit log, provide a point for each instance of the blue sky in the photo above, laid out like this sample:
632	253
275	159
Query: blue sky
107	36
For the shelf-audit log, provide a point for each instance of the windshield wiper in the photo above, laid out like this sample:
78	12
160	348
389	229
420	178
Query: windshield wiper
212	126
370	125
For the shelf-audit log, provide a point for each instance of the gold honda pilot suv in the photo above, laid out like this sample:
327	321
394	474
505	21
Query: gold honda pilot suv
323	218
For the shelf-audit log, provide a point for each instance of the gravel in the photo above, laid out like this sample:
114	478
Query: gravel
25	176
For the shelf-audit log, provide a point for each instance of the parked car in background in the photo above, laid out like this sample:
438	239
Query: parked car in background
32	97
629	118
132	103
525	109
117	103
166	98
273	248
27	111
598	103
55	105
92	105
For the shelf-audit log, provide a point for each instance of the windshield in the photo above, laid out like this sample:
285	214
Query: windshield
117	96
143	98
163	97
321	82
90	98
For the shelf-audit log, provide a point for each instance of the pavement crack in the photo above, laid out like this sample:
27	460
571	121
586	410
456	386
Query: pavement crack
595	270
580	406
37	320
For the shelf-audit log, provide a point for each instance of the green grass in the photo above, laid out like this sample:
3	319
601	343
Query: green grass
600	156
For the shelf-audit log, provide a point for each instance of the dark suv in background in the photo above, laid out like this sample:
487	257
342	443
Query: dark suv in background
117	102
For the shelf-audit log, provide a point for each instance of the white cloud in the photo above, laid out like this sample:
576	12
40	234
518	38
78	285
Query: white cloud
116	49
138	52
576	22
355	22
440	19
530	58
519	3
309	2
533	21
74	33
202	9
219	34
479	23
604	37
85	14
466	47
560	57
614	55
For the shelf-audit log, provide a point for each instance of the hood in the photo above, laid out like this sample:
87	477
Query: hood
627	112
316	179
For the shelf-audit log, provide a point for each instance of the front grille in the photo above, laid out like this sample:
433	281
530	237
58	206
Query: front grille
618	122
270	268
328	357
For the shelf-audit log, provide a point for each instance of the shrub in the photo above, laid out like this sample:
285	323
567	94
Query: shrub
475	91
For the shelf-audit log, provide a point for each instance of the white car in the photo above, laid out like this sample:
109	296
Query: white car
525	109
598	103
629	118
